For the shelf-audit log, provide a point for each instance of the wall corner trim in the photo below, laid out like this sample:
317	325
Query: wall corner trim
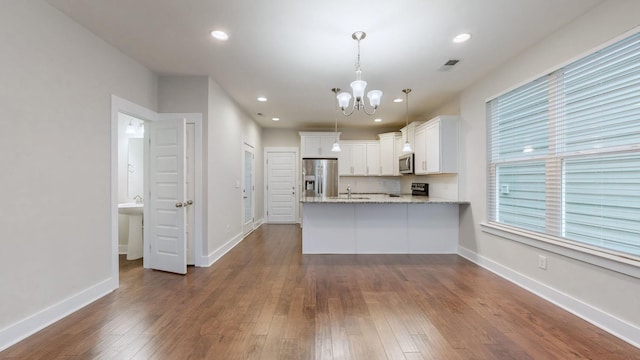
607	322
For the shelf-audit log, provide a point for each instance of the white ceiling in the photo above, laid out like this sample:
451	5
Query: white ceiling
294	51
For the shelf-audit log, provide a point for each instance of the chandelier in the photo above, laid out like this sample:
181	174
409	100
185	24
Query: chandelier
358	87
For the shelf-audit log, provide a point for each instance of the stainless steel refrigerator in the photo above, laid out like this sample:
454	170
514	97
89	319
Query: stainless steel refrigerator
320	177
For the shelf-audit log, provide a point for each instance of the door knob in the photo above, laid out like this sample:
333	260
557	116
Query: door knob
178	204
189	202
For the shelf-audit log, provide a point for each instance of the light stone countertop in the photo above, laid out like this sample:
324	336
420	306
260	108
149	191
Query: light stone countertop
379	199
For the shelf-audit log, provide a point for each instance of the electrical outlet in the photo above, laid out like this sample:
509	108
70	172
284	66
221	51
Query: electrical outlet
228	228
542	262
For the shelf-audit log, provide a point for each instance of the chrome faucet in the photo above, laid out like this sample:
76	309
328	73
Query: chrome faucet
138	199
348	191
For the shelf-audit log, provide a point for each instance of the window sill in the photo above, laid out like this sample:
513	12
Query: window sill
622	263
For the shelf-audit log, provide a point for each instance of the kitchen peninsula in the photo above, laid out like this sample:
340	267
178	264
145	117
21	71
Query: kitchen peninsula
379	224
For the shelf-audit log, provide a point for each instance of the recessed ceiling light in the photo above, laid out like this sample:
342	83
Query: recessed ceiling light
398	100
262	99
275	119
220	35
460	38
377	120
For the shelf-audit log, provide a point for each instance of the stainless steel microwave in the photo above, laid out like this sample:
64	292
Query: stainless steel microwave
405	164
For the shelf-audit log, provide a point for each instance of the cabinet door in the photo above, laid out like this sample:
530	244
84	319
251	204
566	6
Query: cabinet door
359	159
420	156
326	142
387	155
433	148
344	159
311	146
373	159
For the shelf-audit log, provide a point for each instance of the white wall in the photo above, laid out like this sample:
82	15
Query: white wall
280	137
55	96
229	127
607	291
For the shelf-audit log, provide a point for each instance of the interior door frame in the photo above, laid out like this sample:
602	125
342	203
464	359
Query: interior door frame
248	148
296	174
120	105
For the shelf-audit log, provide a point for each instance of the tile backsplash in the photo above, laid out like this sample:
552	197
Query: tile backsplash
370	184
441	186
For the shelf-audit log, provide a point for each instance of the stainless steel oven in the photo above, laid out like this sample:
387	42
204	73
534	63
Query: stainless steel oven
405	164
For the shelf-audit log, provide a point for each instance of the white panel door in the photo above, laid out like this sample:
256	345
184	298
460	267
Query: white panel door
165	219
281	187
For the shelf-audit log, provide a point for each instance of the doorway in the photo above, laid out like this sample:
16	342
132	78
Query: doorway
130	186
193	170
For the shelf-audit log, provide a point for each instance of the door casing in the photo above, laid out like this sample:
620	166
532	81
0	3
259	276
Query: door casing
120	105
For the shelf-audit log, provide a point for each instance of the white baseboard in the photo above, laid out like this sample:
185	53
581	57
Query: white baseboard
38	321
607	322
122	249
219	252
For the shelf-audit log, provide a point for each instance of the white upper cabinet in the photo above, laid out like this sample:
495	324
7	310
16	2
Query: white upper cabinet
317	144
352	159
436	149
420	150
373	159
390	150
359	158
409	133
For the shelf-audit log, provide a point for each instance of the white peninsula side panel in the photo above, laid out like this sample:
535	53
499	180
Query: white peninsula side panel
392	228
433	228
328	229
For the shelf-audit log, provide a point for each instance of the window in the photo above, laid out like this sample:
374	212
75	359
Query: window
564	152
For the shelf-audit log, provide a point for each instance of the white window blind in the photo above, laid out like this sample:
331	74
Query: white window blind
564	151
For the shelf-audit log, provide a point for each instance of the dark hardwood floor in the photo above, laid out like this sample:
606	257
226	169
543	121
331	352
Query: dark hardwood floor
264	300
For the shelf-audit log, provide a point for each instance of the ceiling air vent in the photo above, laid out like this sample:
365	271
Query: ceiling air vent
448	66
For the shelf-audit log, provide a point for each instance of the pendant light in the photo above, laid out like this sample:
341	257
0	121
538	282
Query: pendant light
336	145
406	148
358	87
